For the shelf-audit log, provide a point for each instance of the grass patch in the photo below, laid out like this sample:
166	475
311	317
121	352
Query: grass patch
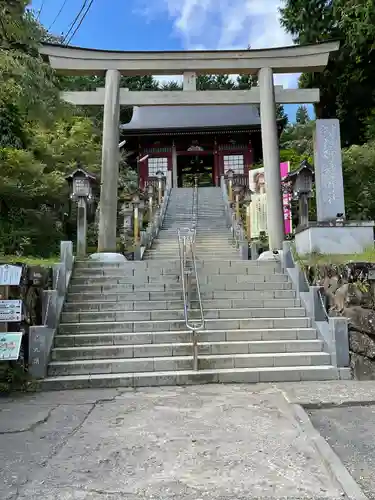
30	261
321	259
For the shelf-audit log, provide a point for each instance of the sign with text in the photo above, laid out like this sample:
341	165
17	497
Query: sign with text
10	275
10	311
10	346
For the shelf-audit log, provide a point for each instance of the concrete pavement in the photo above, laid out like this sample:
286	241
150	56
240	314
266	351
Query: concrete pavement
196	442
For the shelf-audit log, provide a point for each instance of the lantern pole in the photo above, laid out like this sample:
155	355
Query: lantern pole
237	192
136	203
81	227
247	201
150	192
303	209
80	183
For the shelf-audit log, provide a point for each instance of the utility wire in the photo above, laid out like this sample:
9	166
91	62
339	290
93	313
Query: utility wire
58	14
71	27
41	8
81	21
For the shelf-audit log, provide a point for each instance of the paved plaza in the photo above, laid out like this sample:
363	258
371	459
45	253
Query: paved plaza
199	442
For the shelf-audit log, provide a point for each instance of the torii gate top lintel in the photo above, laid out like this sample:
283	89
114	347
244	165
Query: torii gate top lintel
292	59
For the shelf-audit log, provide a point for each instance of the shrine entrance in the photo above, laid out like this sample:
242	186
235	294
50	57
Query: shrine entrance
189	166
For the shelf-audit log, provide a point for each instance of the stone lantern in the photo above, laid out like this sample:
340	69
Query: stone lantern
80	184
247	201
237	190
230	175
301	184
161	178
150	194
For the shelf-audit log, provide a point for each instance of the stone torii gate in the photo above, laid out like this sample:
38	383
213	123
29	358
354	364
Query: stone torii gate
265	63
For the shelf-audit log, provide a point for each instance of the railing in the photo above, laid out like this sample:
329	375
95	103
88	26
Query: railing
237	231
147	237
188	268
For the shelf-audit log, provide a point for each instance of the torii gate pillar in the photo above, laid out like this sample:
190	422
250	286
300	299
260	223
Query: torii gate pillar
110	164
271	159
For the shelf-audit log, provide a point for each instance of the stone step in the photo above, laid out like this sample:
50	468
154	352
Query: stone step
253	295
184	349
177	314
204	278
179	324
166	266
179	363
211	269
189	377
217	257
148	305
160	287
183	336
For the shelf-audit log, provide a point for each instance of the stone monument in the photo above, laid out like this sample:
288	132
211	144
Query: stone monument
331	233
328	170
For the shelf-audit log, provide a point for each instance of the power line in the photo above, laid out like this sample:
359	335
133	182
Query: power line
81	21
58	14
41	8
71	27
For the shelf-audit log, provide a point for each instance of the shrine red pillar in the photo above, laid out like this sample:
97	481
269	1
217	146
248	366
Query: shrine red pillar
220	164
248	159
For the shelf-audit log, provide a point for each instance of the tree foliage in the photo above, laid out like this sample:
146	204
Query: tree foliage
41	139
347	84
302	115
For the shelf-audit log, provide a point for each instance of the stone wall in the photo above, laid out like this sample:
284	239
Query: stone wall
348	290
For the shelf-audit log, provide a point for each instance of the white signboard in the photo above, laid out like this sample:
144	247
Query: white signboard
10	345
10	311
10	275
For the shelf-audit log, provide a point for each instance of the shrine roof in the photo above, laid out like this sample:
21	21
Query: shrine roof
192	117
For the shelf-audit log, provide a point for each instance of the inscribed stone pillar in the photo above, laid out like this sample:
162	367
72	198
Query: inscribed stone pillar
328	170
110	164
271	159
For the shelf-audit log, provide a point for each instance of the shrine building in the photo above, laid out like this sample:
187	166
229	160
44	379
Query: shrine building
190	140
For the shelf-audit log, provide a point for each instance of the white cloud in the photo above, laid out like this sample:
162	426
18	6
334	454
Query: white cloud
226	24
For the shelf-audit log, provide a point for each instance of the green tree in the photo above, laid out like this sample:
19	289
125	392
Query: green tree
302	115
299	138
41	139
347	84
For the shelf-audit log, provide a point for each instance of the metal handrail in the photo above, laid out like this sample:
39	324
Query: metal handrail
188	265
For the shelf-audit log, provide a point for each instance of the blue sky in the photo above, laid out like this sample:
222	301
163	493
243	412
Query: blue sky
173	25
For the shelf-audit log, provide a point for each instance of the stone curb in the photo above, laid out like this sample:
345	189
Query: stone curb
329	457
339	404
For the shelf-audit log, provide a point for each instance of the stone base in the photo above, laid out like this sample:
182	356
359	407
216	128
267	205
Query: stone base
330	238
108	257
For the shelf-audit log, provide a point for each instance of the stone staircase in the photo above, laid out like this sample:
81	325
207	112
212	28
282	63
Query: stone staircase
123	324
213	237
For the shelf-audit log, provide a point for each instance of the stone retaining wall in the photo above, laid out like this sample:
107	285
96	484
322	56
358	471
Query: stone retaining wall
348	290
